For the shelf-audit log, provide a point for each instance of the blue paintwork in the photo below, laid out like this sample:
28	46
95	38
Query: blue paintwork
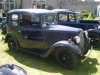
41	37
64	28
54	33
84	24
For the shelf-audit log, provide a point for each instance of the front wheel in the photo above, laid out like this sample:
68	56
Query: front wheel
66	58
12	44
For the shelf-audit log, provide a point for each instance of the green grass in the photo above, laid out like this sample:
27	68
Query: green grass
35	65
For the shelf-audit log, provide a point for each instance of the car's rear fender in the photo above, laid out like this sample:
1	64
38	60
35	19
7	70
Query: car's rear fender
9	35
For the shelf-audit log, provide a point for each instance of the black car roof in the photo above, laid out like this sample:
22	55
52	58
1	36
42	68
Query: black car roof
65	11
23	11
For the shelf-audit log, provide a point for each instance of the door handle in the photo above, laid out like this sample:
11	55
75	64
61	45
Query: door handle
19	31
25	37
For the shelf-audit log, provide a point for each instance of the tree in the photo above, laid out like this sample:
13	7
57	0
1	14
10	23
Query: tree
21	4
91	15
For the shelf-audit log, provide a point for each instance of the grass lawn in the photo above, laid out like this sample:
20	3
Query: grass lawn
35	65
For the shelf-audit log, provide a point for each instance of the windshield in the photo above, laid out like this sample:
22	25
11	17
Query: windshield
66	17
49	19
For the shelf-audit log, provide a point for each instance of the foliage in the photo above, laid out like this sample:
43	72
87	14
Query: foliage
91	16
86	15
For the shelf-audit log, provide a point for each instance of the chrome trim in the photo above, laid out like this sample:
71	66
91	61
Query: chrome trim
81	44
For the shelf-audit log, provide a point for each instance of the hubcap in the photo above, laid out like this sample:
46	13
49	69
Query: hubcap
65	58
12	45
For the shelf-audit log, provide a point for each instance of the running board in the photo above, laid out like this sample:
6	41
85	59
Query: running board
38	52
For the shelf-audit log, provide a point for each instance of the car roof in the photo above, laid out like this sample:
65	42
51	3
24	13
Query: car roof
23	11
65	11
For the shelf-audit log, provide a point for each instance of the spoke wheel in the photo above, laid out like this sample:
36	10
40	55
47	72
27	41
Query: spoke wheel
66	58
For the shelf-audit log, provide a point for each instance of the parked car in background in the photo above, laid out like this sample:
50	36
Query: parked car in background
2	14
73	19
36	31
4	25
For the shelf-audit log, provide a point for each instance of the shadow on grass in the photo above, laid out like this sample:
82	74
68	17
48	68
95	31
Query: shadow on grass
97	49
3	33
86	68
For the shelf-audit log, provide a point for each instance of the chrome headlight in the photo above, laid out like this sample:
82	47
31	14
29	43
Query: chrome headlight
86	33
98	27
77	39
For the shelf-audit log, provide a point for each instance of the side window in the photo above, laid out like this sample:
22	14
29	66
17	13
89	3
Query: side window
14	20
25	20
35	21
71	17
29	20
63	17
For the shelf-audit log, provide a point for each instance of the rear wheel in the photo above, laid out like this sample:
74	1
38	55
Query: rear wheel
12	44
66	58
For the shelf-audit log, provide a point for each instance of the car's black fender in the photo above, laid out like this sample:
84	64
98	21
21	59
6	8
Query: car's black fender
9	35
66	44
97	31
94	35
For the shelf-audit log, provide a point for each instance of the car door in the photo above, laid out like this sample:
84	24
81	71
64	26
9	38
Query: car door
14	28
31	32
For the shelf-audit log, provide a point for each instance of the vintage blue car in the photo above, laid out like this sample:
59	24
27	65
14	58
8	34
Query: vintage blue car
36	31
72	18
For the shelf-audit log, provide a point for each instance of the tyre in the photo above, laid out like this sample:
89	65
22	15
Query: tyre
66	58
94	39
12	44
